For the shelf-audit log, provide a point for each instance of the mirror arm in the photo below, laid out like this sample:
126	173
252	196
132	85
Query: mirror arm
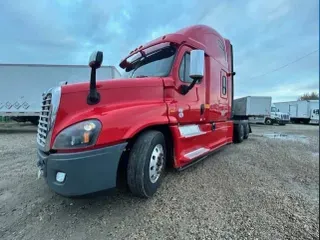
184	89
95	62
94	96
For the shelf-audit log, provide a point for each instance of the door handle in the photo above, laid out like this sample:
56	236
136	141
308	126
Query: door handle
201	109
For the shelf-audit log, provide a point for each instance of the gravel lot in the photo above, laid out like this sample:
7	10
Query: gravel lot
264	188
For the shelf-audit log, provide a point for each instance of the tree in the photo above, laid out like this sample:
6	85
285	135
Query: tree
309	96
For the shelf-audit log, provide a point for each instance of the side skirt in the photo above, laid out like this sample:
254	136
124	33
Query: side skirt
199	159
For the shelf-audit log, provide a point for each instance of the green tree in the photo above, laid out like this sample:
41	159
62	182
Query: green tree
309	96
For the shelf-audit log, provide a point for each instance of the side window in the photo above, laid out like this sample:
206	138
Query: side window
224	85
184	69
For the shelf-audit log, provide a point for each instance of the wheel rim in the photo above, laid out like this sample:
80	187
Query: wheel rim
156	163
268	121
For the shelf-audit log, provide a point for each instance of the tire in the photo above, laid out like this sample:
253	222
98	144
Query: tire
238	133
144	158
246	131
268	121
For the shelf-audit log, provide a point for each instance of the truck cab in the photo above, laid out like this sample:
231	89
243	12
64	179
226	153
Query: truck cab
172	106
314	116
278	117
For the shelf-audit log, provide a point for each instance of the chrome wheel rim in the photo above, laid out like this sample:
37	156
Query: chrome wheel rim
156	163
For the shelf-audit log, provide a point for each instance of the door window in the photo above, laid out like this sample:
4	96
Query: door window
184	69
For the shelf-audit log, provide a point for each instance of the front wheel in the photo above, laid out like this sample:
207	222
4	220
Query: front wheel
147	160
268	121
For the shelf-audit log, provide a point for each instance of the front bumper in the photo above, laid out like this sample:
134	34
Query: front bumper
86	172
282	121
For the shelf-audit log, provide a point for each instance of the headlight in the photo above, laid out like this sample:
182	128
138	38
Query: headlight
80	135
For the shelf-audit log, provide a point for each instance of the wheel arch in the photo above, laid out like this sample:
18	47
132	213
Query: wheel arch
165	130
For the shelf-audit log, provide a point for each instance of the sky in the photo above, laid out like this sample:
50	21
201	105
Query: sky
266	35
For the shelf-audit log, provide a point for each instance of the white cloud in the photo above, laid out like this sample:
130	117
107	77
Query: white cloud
288	92
268	10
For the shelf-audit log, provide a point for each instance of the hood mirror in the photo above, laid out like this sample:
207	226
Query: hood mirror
96	59
95	62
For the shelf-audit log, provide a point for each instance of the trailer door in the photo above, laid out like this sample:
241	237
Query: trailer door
293	111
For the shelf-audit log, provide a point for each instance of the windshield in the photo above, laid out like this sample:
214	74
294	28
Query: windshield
274	109
154	64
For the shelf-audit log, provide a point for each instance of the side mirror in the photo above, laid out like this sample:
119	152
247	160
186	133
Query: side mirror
196	64
196	70
96	59
95	62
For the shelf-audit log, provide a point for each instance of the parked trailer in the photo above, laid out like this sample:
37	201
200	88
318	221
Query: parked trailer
306	111
172	107
255	108
258	109
22	86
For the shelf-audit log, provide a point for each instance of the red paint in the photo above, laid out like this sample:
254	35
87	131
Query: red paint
128	106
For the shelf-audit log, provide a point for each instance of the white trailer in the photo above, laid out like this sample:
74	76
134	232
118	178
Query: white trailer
306	111
255	108
22	85
259	109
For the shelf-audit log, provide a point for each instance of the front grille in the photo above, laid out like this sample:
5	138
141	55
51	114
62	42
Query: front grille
44	120
285	117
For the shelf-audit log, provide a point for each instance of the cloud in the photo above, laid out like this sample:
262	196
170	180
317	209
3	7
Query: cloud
291	91
265	34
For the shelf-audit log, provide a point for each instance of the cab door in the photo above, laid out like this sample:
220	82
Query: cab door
189	108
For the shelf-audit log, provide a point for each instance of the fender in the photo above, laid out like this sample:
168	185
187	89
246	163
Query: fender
126	122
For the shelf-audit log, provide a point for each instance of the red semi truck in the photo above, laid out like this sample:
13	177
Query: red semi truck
172	107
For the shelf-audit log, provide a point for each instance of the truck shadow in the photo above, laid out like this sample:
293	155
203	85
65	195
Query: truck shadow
17	128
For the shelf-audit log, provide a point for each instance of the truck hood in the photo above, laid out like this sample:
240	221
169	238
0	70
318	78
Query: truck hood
116	94
111	84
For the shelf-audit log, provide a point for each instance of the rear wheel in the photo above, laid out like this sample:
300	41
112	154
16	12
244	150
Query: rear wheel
147	161
238	133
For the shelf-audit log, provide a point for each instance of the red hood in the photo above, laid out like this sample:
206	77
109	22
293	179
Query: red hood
115	94
114	84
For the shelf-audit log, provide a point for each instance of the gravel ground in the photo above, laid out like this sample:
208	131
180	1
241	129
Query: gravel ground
264	188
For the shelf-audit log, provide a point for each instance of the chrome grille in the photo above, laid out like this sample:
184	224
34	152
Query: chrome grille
285	116
44	120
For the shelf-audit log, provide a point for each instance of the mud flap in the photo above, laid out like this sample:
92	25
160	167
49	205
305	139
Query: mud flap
250	131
